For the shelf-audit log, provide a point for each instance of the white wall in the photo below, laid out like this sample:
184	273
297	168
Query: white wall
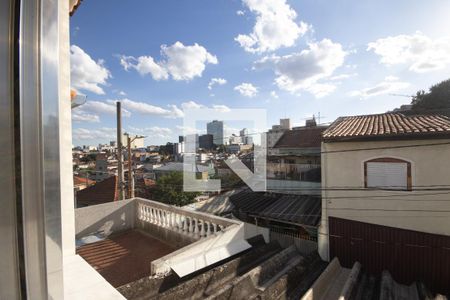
65	134
430	166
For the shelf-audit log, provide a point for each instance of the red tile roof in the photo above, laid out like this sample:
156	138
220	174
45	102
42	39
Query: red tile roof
82	181
308	137
101	192
388	125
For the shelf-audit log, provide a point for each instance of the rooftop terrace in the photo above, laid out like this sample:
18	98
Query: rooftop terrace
124	257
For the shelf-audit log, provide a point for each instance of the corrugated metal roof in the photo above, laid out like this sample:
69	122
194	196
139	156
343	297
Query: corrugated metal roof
299	209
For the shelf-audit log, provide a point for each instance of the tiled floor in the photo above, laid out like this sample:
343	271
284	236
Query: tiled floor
124	257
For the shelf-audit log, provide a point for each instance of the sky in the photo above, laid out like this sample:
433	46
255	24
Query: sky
295	59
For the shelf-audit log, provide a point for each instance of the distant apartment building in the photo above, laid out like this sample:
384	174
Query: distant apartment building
237	148
274	134
101	167
88	148
106	147
206	141
179	148
235	139
294	162
136	142
215	128
382	198
245	138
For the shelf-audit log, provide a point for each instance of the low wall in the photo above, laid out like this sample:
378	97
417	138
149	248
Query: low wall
167	235
252	230
105	218
303	246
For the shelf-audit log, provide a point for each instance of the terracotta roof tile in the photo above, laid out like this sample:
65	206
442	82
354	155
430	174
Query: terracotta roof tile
80	180
387	125
101	192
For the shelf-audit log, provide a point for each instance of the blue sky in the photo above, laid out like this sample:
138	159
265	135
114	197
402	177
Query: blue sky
293	58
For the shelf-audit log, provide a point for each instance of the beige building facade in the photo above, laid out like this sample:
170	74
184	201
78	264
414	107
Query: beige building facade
425	207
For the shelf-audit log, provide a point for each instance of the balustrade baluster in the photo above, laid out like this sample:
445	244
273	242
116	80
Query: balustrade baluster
185	225
202	228
191	226
208	229
149	214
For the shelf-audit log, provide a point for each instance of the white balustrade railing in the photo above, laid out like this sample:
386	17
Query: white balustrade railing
187	222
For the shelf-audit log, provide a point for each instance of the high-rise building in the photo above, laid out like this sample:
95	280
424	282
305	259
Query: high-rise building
205	141
245	137
215	128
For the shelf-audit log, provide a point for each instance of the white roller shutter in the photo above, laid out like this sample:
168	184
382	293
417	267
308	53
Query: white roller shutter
387	175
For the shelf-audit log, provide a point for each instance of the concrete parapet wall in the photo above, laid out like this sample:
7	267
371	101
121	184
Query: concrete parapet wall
105	218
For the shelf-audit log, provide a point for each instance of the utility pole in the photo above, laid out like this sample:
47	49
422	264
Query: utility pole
130	193
130	175
119	152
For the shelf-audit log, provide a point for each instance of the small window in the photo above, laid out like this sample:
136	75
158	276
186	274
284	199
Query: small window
387	173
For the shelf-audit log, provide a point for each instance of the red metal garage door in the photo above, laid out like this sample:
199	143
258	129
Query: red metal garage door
408	255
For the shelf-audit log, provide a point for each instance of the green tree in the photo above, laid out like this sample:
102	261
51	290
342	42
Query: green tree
438	97
169	190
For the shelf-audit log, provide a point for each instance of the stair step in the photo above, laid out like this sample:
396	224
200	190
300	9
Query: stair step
204	283
315	267
285	280
247	285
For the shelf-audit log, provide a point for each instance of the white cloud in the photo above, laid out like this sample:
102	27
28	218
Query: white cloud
81	116
145	65
94	134
86	74
122	93
320	90
178	61
343	76
194	105
100	107
388	85
304	70
191	105
183	130
160	132
221	108
148	109
218	81
175	112
274	94
275	26
246	89
420	52
240	12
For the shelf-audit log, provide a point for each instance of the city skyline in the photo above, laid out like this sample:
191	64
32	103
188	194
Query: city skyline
331	58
